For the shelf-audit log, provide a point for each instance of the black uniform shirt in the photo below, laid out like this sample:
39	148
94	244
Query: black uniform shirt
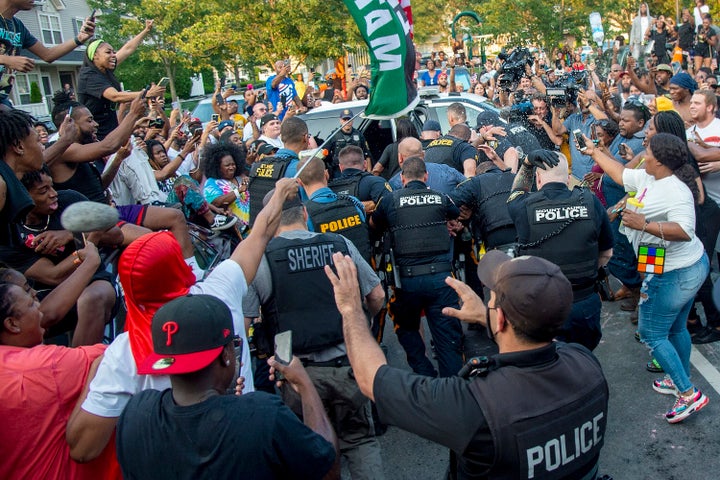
444	411
370	187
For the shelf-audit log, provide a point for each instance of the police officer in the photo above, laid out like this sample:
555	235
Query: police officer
355	181
485	196
267	171
516	136
543	404
421	245
347	135
293	293
567	227
330	212
441	177
453	149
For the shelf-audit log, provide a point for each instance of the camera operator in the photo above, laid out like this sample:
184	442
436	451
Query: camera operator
540	123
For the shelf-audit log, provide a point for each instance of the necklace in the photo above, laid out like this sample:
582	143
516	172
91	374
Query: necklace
37	230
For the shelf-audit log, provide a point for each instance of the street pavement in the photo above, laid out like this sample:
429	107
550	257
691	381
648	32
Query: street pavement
639	443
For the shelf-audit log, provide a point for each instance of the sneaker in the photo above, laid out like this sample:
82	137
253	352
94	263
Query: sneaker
222	222
665	386
654	367
684	407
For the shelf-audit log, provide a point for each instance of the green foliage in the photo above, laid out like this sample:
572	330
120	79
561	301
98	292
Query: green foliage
35	95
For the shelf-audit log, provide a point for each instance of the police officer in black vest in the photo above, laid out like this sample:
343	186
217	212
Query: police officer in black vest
347	135
293	293
329	212
543	404
355	181
453	149
284	164
567	227
485	197
416	219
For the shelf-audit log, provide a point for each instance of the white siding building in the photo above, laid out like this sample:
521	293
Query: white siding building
52	23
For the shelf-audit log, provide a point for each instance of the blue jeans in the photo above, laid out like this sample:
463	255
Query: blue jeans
623	263
583	324
429	293
665	301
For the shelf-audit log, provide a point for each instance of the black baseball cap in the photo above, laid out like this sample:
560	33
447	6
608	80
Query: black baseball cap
431	126
188	333
533	292
267	118
346	114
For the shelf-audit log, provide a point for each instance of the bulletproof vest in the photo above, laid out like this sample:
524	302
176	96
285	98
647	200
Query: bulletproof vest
563	231
341	217
348	185
264	174
343	139
491	211
441	150
303	300
551	421
418	223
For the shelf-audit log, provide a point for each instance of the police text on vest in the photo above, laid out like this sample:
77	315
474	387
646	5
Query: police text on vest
543	215
563	450
415	200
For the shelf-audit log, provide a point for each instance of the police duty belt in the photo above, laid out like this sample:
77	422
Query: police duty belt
416	225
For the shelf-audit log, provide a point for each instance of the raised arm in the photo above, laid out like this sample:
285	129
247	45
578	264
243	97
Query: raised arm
53	53
130	47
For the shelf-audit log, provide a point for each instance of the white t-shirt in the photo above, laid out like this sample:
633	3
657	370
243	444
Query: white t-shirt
275	142
248	130
665	200
117	379
711	136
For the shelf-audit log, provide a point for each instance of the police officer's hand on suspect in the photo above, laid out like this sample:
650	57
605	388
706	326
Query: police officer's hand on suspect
541	159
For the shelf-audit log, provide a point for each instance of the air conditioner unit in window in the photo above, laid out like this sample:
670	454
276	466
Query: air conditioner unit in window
58	4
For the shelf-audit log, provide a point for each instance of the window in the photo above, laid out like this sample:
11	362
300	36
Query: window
77	24
22	86
58	4
50	29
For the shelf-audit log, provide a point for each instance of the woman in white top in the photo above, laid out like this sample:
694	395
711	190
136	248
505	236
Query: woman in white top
667	193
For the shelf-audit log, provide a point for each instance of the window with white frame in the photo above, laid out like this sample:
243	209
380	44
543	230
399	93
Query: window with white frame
22	86
77	24
50	29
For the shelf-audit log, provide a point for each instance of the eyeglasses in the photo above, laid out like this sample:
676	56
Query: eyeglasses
616	71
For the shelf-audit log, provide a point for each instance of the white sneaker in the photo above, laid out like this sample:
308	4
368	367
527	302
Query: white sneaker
223	223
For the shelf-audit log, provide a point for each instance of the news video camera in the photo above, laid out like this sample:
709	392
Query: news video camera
513	68
568	88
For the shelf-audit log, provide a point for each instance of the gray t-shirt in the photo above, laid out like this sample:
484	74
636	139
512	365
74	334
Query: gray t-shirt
260	290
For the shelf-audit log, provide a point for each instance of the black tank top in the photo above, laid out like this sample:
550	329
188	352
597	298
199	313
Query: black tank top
85	180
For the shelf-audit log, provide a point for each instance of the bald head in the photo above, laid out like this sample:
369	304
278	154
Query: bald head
460	131
558	173
409	147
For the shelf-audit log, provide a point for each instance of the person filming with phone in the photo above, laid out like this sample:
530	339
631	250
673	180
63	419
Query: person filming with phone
294	294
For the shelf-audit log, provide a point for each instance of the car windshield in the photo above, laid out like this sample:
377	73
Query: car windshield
203	111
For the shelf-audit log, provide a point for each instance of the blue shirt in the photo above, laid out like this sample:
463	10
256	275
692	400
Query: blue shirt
285	91
581	164
442	178
325	195
611	190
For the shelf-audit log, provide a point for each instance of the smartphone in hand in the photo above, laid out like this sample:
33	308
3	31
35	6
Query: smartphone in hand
577	134
283	347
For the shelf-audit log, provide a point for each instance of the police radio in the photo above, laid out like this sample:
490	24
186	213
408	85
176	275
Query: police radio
475	367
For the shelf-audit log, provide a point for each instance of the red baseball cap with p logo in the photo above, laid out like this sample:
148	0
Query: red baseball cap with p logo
188	334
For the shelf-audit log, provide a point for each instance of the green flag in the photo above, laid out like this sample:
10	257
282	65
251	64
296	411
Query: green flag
386	32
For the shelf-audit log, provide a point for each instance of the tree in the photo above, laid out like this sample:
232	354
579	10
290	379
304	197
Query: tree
35	95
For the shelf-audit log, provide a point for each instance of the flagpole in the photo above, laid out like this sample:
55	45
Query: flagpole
320	148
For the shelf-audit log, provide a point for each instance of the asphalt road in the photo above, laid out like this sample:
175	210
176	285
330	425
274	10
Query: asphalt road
639	443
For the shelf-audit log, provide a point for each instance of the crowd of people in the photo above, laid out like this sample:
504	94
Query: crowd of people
534	205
